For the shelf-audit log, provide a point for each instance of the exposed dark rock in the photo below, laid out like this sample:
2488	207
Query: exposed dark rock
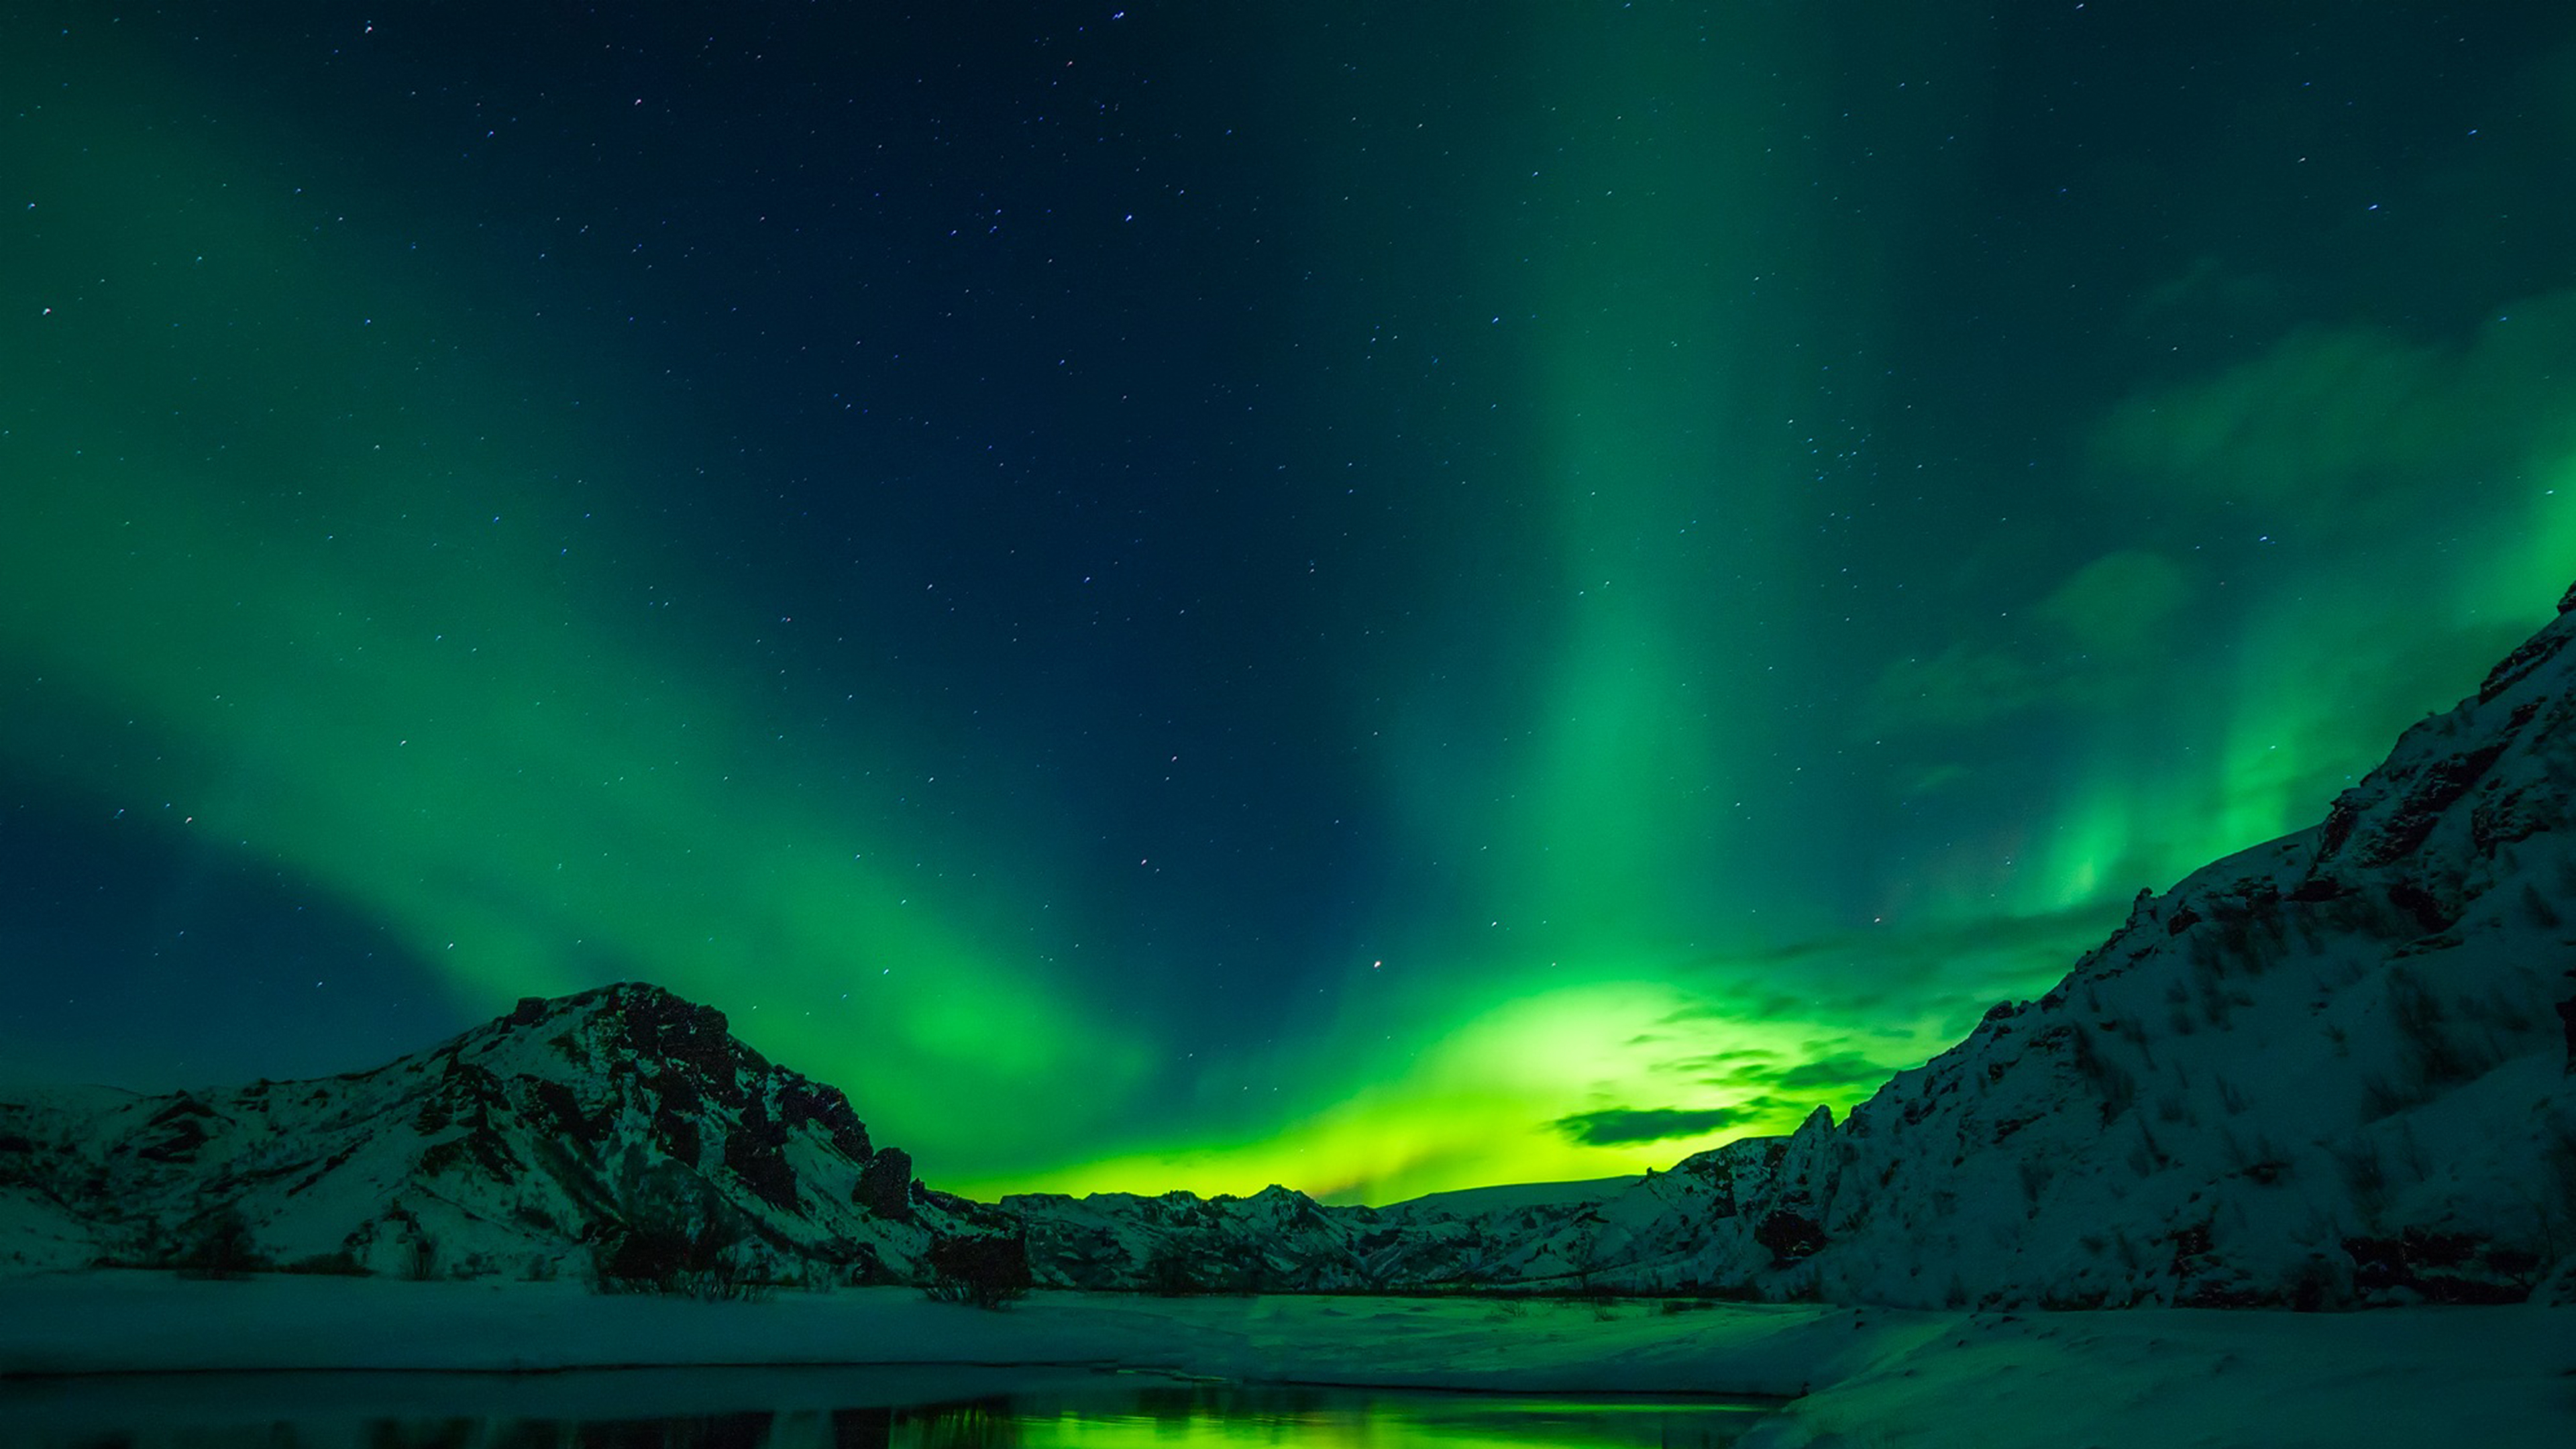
479	1147
661	1027
2423	905
801	1101
2440	1268
756	1151
187	1106
564	1108
2341	817
985	1270
1789	1236
679	1138
2567	1021
2510	670
180	1144
2439	788
885	1185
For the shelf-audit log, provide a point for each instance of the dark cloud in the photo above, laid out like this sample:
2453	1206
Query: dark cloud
1844	1069
2354	426
1717	1061
1617	1126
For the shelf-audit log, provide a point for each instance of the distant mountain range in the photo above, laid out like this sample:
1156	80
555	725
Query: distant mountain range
2331	1070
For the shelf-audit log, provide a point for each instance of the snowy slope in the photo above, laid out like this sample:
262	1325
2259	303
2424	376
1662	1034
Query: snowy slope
517	1149
1281	1241
2332	1069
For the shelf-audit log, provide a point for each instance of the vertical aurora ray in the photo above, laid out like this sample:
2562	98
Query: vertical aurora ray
1607	811
1678	318
1652	365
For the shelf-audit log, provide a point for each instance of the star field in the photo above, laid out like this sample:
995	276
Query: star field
1188	596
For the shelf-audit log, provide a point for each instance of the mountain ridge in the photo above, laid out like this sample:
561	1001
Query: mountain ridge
2333	1069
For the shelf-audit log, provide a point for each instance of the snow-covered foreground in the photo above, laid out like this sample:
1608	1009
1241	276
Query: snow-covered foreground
1863	1377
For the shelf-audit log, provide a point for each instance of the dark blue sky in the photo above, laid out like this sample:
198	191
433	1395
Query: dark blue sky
1184	595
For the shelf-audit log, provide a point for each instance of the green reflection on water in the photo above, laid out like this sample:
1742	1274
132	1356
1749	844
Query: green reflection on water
816	1410
1163	1418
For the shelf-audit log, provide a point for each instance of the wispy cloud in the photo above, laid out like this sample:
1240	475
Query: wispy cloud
1619	1125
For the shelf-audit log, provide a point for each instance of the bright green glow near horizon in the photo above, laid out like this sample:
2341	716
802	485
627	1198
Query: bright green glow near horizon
1474	1104
1484	1421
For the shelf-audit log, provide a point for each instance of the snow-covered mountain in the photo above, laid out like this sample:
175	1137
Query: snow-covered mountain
619	1120
2329	1070
1279	1241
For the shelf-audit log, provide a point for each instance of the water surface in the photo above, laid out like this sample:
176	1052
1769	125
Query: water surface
910	1408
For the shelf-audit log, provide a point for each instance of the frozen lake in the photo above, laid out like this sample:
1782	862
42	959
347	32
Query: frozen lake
910	1408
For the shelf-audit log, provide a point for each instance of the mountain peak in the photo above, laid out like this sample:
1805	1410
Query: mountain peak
639	1021
512	1148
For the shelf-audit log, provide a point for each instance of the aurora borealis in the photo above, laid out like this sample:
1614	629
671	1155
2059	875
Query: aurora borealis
1378	598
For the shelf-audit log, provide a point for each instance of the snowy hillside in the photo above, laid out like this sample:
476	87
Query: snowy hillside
1279	1241
2333	1069
569	1130
2330	1069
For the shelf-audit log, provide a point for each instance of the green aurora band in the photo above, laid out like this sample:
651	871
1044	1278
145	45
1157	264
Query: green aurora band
332	564
351	612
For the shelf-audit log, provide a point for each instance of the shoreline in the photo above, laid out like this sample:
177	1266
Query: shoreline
1862	1378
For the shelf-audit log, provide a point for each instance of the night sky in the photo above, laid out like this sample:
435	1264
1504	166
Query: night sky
1376	597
